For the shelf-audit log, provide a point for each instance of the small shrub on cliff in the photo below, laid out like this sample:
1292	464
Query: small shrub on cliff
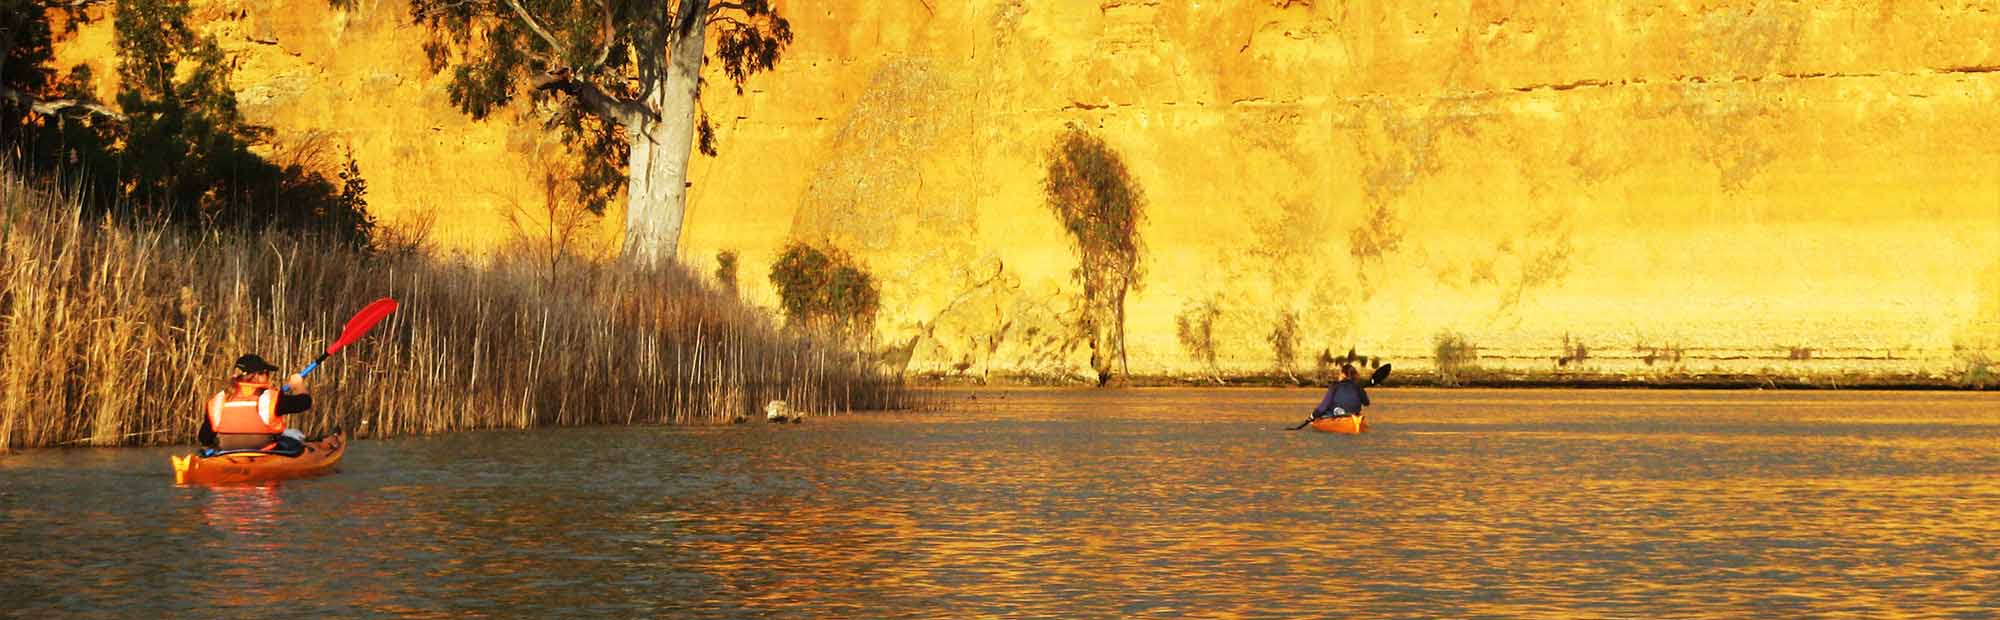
1979	369
825	290
1284	339
725	269
1574	352
1671	353
1454	354
1195	327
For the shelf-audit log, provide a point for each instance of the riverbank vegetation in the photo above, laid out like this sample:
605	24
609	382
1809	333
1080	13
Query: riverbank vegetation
113	328
1490	378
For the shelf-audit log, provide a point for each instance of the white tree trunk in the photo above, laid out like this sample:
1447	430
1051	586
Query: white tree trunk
656	193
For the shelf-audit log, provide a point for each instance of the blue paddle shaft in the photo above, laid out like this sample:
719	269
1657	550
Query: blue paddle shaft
286	389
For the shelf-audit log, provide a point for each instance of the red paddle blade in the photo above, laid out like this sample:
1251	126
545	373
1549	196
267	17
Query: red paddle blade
362	322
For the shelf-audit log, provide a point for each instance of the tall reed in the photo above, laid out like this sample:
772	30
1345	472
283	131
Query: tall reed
114	332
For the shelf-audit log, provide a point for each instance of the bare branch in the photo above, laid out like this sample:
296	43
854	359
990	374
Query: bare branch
55	107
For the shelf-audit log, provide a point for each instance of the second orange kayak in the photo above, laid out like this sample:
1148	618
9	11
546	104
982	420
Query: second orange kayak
320	457
1345	425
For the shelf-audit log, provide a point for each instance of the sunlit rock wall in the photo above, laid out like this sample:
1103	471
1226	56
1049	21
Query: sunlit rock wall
1739	180
356	82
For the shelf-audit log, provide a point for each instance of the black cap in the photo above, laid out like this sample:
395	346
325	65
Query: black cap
251	363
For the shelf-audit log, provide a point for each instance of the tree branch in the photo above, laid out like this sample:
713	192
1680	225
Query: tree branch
554	46
595	99
56	107
725	19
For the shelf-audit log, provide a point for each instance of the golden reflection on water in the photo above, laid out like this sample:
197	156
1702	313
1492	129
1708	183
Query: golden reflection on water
1131	504
246	539
1560	507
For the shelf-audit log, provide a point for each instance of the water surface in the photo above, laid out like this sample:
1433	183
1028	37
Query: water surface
1072	504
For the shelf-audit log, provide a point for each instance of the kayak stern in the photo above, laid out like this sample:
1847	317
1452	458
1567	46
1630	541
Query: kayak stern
1345	425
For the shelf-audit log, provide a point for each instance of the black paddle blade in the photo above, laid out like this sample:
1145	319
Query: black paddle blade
1380	375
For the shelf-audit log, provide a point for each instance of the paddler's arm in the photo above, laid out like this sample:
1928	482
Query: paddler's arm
296	399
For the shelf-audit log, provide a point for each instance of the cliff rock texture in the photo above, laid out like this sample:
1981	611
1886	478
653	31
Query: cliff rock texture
1741	180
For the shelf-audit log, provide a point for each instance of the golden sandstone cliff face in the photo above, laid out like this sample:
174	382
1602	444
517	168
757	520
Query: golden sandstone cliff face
1734	178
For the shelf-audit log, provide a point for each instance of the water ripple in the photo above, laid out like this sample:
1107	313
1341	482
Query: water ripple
1063	504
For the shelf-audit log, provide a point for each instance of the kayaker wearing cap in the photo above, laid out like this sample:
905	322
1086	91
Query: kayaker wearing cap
1344	398
250	414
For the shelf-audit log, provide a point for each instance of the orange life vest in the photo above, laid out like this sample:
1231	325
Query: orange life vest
247	408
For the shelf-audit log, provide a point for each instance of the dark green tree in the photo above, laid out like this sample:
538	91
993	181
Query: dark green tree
623	77
40	109
27	83
826	290
175	146
1094	196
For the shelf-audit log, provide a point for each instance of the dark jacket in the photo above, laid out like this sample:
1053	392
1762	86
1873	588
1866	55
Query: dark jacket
1349	396
287	404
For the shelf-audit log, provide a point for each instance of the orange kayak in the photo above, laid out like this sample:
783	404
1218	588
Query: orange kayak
1345	425
319	458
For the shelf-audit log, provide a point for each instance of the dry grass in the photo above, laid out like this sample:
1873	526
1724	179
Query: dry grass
112	333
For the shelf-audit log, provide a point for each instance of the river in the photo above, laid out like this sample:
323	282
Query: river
1150	503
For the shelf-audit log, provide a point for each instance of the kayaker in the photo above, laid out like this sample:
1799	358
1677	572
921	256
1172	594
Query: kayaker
250	413
1344	398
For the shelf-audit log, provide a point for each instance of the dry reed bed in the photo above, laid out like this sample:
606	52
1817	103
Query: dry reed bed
113	333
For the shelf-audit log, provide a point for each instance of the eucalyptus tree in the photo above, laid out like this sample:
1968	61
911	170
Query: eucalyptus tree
1091	191
625	80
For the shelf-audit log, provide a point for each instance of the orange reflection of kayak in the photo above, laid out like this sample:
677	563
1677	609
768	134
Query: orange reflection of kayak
320	457
1346	425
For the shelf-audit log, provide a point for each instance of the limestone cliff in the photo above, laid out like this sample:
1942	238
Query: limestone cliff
1739	179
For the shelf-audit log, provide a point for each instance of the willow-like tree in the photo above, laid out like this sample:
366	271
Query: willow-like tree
625	77
1090	190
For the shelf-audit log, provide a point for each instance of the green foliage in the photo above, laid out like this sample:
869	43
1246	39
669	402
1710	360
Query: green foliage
1454	354
182	151
615	49
1284	339
1979	369
1195	328
825	290
1093	195
725	269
